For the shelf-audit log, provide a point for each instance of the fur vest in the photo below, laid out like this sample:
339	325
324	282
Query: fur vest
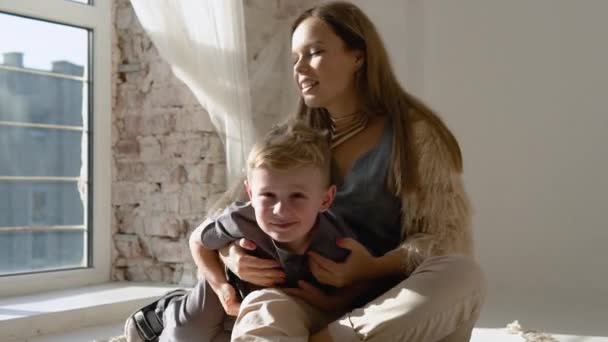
437	221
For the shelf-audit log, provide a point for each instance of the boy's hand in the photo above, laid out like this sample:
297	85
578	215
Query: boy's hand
228	297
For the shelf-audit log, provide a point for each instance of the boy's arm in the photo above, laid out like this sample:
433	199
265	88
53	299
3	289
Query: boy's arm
214	234
208	263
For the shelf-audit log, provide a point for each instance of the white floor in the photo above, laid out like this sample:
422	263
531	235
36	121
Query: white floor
572	320
576	317
104	333
97	334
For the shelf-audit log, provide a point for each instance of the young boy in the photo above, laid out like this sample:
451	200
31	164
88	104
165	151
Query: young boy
288	184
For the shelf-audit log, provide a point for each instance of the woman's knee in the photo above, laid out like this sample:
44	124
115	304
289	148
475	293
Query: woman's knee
462	274
442	295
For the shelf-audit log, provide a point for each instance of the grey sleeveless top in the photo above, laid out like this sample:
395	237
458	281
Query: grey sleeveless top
364	201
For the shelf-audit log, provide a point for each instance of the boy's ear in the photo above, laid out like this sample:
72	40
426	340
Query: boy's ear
328	198
247	188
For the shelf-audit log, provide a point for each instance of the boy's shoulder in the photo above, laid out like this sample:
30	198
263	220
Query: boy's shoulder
329	220
235	222
237	210
331	228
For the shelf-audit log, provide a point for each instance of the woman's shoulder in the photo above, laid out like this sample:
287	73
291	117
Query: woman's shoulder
435	161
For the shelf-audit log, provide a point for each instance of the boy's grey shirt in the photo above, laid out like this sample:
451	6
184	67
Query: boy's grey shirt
238	221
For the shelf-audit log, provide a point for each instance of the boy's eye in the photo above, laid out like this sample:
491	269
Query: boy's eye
298	195
267	194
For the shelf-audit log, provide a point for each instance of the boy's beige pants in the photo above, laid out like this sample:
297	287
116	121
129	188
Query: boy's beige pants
439	301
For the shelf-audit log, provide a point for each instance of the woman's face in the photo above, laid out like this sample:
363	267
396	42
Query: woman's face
324	70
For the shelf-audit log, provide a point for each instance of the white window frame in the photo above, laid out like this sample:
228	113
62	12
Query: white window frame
98	19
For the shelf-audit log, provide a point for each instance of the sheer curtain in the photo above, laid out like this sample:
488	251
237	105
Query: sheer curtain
204	42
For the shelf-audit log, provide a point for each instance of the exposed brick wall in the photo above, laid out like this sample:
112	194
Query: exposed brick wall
168	162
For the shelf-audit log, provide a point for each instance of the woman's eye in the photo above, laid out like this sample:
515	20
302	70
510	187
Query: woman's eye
316	52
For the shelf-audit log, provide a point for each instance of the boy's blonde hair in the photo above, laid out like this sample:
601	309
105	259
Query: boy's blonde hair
290	145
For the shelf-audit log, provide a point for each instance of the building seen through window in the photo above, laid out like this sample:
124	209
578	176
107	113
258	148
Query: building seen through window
43	166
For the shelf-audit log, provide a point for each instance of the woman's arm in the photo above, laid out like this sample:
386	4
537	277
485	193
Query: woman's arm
436	221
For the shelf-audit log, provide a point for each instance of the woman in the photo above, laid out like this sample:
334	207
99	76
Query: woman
391	149
398	170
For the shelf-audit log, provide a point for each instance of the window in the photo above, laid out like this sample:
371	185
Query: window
54	144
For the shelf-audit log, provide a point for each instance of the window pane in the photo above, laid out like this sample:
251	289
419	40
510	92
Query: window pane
44	99
27	203
27	49
42	80
39	152
28	251
44	145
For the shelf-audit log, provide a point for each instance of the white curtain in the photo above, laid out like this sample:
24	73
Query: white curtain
204	42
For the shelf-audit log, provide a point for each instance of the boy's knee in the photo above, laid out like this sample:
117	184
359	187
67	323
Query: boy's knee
263	296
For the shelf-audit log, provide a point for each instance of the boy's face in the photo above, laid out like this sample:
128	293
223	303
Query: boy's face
286	202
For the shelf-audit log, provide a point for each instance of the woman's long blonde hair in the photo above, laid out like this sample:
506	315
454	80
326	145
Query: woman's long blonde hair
380	93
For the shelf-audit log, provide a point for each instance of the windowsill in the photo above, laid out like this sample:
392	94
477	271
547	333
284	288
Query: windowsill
24	317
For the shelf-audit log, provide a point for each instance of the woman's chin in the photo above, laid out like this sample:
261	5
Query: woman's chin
312	101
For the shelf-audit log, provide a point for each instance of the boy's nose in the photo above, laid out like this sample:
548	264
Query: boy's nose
279	208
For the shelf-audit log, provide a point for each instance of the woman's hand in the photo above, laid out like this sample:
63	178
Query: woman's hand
359	265
261	272
315	296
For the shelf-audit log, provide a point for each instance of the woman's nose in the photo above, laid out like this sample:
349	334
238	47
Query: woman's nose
300	66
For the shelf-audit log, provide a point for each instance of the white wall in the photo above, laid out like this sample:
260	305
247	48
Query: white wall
391	26
524	86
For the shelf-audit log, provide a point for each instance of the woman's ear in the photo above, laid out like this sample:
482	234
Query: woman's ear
328	197
359	59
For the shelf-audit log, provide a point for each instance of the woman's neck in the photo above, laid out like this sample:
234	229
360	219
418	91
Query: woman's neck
346	127
343	122
343	108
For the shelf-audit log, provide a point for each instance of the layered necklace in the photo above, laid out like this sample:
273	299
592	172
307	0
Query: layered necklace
347	127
